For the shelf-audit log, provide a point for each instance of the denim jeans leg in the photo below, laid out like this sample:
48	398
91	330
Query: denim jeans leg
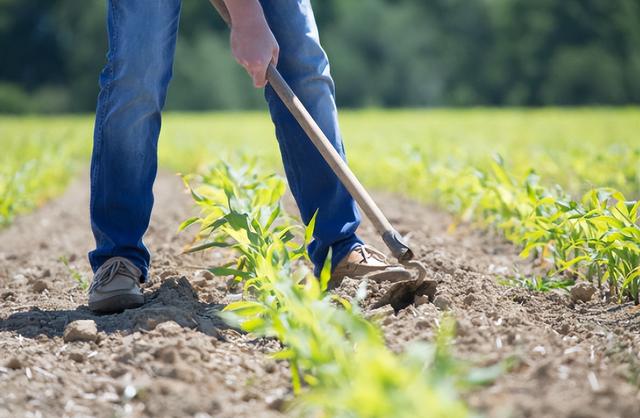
304	64
133	85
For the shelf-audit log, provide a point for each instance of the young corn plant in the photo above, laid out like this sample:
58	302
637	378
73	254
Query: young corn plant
339	363
597	238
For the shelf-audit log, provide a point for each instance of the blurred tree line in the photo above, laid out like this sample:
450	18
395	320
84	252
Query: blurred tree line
389	53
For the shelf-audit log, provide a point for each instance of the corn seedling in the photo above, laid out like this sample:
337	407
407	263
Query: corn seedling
339	363
596	238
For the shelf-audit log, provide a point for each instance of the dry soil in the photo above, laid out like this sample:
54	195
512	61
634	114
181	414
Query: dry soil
174	357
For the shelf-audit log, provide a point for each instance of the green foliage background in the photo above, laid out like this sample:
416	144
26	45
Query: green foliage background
387	53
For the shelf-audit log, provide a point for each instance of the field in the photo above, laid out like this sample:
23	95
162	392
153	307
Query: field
527	222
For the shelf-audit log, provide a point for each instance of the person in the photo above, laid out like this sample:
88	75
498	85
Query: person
133	86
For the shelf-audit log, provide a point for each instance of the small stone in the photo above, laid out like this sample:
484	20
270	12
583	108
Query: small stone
166	354
45	273
76	356
564	329
442	302
420	300
270	366
168	273
150	324
81	330
422	324
20	279
199	282
275	403
582	291
168	329
380	313
206	274
14	363
469	299
117	372
8	296
39	286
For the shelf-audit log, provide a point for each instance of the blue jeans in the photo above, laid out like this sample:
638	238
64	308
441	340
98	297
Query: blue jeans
133	86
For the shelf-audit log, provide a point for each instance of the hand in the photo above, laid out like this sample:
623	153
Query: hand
252	42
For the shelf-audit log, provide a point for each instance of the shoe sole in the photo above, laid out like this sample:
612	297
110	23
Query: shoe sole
117	303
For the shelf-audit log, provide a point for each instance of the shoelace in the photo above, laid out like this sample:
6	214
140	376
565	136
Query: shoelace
110	269
368	252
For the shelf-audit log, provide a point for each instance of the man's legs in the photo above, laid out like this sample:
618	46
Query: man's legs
133	85
304	65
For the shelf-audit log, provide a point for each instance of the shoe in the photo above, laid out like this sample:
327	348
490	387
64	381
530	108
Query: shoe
116	287
361	261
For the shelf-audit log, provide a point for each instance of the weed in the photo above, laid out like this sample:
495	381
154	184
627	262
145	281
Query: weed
81	280
536	283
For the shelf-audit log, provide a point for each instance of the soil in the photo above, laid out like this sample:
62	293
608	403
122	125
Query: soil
174	357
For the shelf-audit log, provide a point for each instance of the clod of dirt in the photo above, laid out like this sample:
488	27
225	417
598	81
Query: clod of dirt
39	286
13	363
583	292
169	329
382	314
420	300
469	299
81	330
76	356
19	280
166	354
402	294
8	296
442	302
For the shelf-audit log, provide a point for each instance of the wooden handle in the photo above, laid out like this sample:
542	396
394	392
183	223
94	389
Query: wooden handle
330	155
222	10
326	149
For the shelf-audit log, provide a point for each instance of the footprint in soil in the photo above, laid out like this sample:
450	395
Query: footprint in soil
175	300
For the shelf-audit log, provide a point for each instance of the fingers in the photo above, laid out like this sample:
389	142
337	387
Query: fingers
258	72
258	69
276	54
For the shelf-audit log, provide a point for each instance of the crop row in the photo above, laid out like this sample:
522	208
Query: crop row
340	365
37	160
595	238
576	148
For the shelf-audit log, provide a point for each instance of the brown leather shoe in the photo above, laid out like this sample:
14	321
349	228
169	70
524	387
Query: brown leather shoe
361	260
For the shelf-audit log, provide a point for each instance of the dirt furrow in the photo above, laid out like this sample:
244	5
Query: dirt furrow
174	358
567	359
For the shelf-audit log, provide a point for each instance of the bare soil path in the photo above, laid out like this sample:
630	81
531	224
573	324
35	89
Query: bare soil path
173	357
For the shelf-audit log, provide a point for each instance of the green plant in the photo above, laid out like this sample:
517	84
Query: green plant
597	238
537	283
80	279
339	363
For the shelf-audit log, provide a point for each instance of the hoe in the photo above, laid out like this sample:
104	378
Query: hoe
407	285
